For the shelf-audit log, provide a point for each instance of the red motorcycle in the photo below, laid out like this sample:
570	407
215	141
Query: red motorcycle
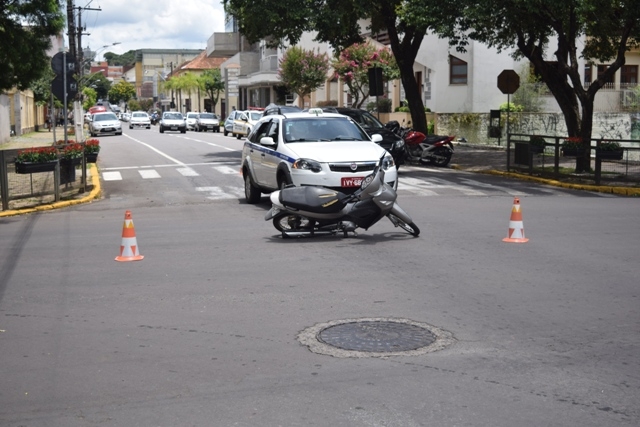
421	148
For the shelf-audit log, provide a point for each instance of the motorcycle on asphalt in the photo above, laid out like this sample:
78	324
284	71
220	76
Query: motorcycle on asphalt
314	211
421	148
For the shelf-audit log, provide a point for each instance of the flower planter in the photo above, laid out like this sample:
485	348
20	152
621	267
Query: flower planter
68	170
609	155
91	157
28	167
537	149
567	152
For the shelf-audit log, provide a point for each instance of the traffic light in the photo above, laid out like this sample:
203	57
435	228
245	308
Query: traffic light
61	63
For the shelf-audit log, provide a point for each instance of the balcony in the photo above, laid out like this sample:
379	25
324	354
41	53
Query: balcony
223	44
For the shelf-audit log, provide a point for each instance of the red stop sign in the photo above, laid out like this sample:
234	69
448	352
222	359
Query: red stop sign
508	82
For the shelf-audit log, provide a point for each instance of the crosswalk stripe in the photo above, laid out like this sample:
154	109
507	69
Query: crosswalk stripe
149	173
227	170
187	172
112	176
217	193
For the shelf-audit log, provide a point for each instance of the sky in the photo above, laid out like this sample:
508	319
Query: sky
149	24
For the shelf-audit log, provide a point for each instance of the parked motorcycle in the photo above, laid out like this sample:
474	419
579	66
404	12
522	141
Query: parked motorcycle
435	149
313	211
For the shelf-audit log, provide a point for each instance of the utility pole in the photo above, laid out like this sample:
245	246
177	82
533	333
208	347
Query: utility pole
71	24
80	33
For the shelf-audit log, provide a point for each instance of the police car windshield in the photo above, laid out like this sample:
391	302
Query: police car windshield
322	129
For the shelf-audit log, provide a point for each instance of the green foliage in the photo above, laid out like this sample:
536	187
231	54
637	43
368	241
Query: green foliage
466	118
402	109
42	87
127	58
213	85
303	71
511	107
529	94
607	145
431	127
90	97
26	28
134	105
352	66
98	82
537	141
121	91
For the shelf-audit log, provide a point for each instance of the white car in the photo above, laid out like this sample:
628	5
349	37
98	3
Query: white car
139	119
310	148
207	121
105	123
191	120
244	123
172	120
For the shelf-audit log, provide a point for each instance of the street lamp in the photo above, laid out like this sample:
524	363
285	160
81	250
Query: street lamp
104	47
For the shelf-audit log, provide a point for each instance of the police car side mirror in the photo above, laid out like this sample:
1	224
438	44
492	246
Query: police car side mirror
376	137
267	140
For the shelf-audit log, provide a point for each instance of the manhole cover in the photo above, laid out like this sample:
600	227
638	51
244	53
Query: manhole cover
374	337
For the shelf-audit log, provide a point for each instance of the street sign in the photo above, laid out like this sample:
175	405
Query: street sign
508	82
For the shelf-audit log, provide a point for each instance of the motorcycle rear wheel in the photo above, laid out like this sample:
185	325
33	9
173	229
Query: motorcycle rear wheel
441	156
291	222
410	228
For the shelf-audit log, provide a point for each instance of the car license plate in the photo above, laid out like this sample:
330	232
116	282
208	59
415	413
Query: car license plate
174	127
355	181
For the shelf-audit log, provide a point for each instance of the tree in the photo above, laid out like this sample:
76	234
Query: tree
122	91
303	71
26	28
338	22
352	66
98	82
89	97
593	29
213	85
189	82
127	58
42	87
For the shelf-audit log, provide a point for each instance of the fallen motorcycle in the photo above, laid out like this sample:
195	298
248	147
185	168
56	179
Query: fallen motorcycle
421	148
313	211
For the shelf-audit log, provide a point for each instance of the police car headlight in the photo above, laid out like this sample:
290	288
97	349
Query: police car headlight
307	164
388	163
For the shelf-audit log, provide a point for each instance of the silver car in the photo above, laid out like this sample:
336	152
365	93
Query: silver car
206	122
172	120
102	123
139	119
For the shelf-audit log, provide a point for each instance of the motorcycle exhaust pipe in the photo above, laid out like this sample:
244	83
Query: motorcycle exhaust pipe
307	233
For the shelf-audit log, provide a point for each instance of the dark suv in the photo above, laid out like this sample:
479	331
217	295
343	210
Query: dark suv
390	141
280	109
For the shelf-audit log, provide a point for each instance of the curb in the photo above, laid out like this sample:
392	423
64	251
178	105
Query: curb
94	194
620	191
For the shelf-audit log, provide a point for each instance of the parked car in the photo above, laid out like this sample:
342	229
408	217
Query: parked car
244	122
207	121
312	148
191	120
228	123
125	117
139	119
102	123
391	142
280	109
173	121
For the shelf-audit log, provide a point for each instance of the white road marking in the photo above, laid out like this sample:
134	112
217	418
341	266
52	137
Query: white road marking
112	176
187	172
227	170
149	173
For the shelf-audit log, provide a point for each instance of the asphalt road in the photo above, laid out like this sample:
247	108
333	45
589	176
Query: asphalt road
203	331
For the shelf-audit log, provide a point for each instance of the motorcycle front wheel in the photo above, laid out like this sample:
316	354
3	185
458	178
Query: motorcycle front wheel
441	156
291	222
410	228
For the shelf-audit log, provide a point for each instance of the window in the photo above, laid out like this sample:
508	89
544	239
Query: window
629	74
601	70
587	74
457	71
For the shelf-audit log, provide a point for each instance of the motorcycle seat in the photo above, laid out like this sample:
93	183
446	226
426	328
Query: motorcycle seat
313	199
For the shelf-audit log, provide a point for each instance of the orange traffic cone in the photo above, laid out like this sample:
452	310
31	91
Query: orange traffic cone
129	246
516	227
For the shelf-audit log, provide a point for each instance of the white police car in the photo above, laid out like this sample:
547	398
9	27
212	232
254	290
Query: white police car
310	148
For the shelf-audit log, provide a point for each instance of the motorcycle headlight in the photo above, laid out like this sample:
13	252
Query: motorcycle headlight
399	144
307	164
388	163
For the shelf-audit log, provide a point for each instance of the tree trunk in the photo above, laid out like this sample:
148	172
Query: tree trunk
405	52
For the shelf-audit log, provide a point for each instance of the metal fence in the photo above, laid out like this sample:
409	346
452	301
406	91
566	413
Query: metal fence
550	162
19	191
